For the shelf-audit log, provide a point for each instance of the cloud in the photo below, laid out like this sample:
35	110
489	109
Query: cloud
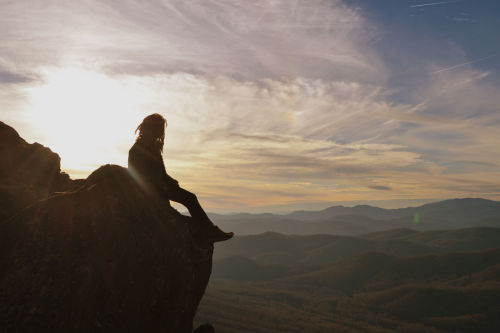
267	102
380	188
9	74
433	4
464	64
7	77
239	39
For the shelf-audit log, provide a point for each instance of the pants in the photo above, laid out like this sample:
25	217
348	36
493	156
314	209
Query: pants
190	201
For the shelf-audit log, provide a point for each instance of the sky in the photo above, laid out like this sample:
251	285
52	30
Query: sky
271	105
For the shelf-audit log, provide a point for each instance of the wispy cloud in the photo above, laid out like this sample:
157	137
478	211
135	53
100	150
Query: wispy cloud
464	64
267	102
433	4
240	39
10	74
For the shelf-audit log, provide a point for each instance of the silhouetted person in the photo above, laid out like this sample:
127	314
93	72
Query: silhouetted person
146	164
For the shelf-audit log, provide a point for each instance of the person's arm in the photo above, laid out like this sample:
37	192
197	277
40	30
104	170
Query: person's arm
162	172
168	179
150	168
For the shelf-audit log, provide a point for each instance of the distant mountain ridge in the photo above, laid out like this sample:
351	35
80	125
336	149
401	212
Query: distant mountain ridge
447	214
370	211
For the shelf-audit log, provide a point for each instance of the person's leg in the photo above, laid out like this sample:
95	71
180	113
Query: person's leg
203	227
190	201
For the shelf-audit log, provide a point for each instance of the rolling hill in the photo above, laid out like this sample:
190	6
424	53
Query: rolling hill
273	248
400	280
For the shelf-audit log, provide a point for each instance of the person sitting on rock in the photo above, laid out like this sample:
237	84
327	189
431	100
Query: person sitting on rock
146	164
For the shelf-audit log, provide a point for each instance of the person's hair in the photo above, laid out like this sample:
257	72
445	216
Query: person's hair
152	131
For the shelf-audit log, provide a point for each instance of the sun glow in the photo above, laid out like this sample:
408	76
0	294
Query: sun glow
87	117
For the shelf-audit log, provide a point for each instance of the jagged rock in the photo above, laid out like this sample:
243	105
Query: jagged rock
105	257
28	172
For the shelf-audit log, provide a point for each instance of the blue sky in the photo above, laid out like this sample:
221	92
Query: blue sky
416	32
270	103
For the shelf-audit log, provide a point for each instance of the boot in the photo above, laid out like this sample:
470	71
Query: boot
207	234
215	234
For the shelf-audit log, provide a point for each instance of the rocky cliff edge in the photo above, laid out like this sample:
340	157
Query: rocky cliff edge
90	255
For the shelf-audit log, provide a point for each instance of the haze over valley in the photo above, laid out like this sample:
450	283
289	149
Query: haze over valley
433	268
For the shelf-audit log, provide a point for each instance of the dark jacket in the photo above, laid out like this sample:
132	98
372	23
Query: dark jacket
146	166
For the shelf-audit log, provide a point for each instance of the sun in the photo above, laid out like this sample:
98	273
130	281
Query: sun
87	117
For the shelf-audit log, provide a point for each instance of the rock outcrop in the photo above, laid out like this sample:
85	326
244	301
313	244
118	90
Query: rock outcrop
28	172
101	256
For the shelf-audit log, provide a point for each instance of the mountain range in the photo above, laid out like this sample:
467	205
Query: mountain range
271	255
340	220
400	280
